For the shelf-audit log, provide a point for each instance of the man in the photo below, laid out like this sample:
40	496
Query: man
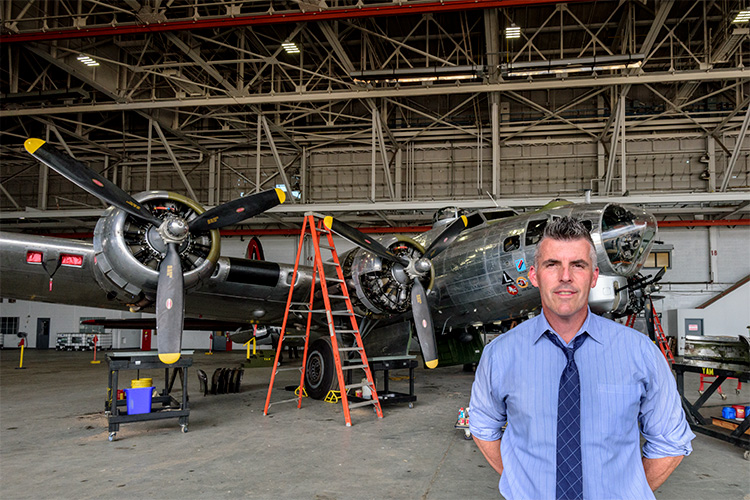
575	389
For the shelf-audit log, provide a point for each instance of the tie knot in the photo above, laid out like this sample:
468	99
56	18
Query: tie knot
568	351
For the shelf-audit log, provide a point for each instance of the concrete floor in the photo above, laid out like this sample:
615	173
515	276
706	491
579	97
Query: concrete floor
53	442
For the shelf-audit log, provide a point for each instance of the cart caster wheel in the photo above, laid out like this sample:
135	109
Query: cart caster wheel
700	392
184	428
723	396
112	436
411	405
746	455
737	391
467	434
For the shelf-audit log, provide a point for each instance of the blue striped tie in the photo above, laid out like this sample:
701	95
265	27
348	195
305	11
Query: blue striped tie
569	467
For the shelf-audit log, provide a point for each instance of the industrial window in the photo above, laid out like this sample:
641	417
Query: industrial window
9	325
659	259
512	243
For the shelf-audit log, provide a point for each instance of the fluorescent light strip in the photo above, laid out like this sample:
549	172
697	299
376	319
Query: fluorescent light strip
513	32
742	16
87	60
290	47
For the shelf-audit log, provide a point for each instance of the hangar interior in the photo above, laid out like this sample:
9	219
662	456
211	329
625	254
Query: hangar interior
381	113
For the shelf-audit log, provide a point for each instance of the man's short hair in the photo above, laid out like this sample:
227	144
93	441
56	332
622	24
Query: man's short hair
567	229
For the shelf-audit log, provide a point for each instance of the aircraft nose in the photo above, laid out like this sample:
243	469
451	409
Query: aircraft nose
627	236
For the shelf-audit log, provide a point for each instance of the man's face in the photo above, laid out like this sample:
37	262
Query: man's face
564	276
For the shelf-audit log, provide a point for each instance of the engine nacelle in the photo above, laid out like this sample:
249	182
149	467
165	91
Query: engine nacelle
129	250
380	286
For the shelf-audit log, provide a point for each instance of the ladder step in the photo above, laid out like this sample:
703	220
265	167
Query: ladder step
338	296
335	312
363	403
321	230
295	336
295	368
347	331
293	400
349	348
307	304
335	280
326	247
357	386
353	367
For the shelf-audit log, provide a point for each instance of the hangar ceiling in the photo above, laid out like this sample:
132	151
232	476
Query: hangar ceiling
381	112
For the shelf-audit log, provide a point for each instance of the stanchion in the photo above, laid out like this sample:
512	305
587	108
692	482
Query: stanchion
21	344
96	341
210	345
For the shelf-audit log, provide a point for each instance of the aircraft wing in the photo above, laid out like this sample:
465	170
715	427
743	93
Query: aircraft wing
239	290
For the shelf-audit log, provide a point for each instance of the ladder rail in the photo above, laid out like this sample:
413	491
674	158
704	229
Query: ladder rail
355	328
284	323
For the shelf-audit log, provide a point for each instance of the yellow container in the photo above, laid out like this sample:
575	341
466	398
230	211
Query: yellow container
138	383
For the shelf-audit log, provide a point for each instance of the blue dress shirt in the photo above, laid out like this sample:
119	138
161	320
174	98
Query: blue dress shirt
626	387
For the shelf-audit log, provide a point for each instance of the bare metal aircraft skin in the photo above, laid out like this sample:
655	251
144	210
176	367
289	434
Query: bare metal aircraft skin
160	251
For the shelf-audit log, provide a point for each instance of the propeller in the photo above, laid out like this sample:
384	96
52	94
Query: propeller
415	270
87	179
173	230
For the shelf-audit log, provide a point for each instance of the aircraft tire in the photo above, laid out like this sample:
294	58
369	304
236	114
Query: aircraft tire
319	369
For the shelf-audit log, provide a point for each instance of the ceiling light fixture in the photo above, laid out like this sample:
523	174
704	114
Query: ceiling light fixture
290	47
413	75
579	65
743	16
87	60
513	32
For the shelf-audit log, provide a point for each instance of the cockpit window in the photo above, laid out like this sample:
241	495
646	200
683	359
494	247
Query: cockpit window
497	214
534	231
512	243
474	220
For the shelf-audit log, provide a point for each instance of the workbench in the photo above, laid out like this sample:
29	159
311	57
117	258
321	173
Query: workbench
170	407
386	364
697	421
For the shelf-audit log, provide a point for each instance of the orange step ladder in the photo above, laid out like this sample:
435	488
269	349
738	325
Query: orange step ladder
314	228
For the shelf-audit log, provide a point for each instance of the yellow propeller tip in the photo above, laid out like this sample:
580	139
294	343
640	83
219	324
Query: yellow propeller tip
431	364
281	194
169	358
32	145
466	221
328	222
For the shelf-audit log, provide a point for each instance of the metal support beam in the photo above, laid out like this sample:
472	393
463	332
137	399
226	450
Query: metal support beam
277	158
383	153
176	163
735	152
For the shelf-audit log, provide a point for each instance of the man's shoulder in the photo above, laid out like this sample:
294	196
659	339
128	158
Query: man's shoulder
518	334
613	330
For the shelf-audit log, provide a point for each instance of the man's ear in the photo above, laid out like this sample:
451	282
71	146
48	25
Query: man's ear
596	277
532	276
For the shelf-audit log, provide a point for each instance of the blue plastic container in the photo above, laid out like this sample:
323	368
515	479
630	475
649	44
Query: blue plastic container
138	400
726	412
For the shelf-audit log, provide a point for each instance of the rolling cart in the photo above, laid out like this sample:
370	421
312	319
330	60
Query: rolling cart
170	407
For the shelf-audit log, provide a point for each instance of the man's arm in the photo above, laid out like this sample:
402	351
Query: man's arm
657	469
491	451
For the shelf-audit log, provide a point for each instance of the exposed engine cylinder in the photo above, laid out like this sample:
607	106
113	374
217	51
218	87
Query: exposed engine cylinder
129	250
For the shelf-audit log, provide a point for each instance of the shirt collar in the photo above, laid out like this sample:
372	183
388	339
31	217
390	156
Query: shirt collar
589	326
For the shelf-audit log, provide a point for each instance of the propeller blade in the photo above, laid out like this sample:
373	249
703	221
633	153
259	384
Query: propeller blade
361	240
237	210
170	306
446	237
659	274
423	323
87	179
